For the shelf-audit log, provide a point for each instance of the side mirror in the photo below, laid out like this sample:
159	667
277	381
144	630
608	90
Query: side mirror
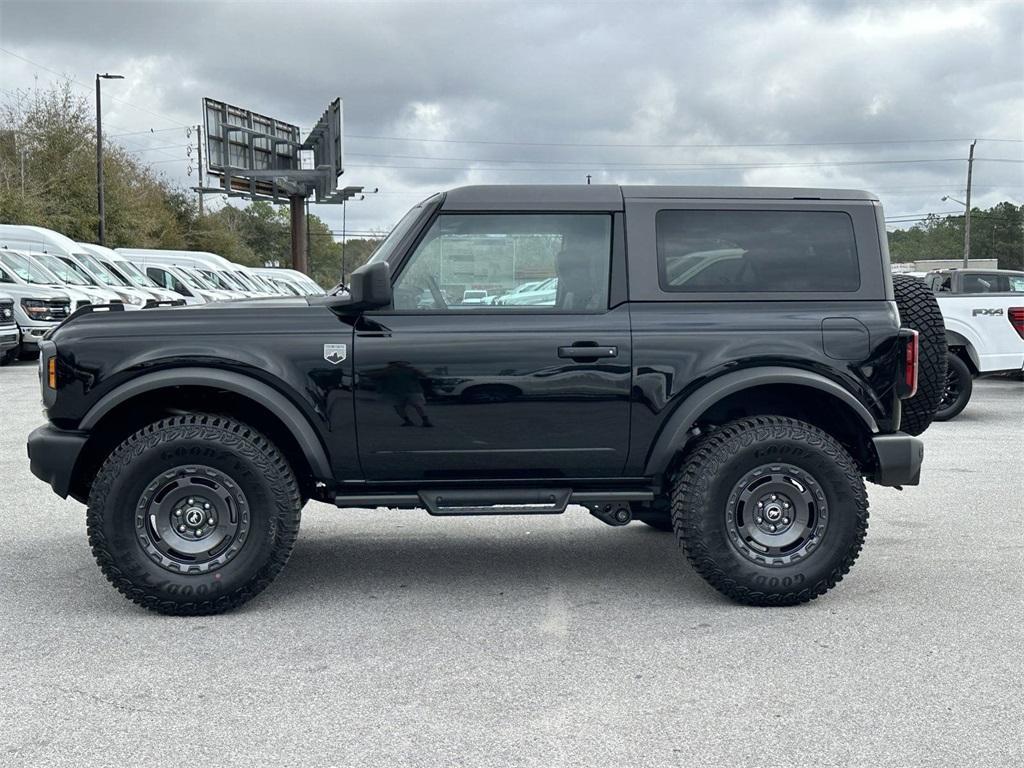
369	288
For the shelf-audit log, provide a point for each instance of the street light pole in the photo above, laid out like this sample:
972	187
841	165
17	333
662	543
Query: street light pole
99	156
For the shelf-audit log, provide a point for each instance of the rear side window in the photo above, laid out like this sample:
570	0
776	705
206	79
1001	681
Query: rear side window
705	251
992	283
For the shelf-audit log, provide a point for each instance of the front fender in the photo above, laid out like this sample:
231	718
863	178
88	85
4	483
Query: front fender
299	426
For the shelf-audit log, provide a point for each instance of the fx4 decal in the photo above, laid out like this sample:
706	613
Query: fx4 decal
985	311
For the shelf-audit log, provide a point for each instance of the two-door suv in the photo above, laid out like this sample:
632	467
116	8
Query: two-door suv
726	363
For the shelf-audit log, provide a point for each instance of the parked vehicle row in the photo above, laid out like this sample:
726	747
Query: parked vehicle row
983	310
46	276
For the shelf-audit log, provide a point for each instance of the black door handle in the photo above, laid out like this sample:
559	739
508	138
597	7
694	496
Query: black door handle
587	350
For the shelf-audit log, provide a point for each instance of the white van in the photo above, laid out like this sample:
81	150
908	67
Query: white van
107	258
304	283
32	240
221	273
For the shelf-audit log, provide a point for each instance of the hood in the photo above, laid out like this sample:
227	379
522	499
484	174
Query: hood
32	291
191	321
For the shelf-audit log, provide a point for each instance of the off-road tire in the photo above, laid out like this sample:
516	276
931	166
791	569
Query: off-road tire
181	444
958	378
920	311
704	496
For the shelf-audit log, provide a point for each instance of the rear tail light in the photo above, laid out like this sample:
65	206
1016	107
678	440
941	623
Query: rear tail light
1016	315
910	344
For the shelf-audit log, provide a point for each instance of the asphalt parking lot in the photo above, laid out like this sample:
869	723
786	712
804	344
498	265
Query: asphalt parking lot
399	639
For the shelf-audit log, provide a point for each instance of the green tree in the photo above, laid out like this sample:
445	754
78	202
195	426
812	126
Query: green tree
48	175
996	233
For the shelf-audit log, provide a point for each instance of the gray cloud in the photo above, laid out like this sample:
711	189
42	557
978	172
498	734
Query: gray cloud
582	73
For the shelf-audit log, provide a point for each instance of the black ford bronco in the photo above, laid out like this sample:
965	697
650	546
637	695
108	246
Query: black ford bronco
725	363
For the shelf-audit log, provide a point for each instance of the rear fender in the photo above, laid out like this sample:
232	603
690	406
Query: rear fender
676	433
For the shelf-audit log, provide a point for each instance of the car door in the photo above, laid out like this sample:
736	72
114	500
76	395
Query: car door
453	389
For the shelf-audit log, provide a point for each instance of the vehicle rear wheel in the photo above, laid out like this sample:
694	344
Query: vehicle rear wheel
957	392
770	510
193	515
920	311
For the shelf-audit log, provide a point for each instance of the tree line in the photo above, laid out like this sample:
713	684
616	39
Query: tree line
996	233
48	179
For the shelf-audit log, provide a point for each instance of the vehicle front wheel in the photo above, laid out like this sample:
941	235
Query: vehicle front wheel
193	515
770	510
957	391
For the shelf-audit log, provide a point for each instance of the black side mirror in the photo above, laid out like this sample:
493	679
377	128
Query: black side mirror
369	288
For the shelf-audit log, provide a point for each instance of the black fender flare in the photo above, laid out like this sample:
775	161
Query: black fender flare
268	397
674	435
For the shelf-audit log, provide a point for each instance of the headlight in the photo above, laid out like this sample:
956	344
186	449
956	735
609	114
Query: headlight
131	298
37	309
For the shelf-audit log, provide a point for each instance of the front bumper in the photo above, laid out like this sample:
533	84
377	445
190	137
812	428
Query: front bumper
899	459
31	335
10	337
53	454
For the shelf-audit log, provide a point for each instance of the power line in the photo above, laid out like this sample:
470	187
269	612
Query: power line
89	87
669	146
613	164
140	133
669	167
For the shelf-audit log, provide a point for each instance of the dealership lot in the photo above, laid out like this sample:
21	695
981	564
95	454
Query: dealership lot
399	639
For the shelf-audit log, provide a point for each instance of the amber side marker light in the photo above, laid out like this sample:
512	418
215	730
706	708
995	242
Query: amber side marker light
51	372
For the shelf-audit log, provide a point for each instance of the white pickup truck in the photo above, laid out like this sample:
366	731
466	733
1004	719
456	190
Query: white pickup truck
983	310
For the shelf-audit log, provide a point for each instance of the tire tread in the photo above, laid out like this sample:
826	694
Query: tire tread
233	434
701	471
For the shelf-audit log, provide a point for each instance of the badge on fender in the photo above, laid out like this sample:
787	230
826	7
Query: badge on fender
335	353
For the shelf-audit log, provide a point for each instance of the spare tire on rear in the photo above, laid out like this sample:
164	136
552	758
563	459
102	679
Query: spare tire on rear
920	311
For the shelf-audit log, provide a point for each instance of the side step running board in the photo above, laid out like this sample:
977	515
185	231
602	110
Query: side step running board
511	501
498	501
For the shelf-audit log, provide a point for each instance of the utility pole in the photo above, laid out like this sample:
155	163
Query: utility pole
309	250
199	145
296	206
344	240
102	229
967	213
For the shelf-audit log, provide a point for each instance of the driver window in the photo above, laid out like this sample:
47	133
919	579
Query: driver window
473	262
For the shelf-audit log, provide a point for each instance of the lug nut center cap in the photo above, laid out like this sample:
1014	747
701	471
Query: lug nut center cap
773	512
194	516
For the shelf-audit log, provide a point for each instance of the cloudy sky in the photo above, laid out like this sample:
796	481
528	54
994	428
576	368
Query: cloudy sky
884	96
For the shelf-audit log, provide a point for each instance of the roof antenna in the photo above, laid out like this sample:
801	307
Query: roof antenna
588	179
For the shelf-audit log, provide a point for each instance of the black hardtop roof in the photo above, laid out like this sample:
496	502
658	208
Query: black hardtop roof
611	196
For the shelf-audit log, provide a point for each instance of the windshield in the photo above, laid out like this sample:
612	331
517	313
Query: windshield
285	287
134	274
97	270
80	270
244	280
219	279
60	269
184	276
30	272
199	280
391	242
